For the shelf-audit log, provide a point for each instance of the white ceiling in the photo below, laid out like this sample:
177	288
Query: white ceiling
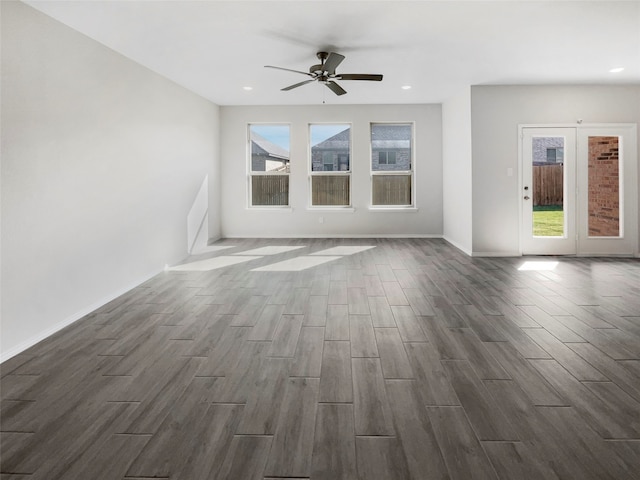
215	48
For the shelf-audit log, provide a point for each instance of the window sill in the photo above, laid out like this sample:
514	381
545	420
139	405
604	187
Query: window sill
332	209
394	209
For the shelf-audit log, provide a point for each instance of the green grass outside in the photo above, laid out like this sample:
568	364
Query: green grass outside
548	221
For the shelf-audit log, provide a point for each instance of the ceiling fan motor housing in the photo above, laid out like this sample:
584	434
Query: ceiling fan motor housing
316	69
319	69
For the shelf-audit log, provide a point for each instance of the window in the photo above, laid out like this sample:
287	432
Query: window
387	158
327	161
330	152
391	165
555	155
269	165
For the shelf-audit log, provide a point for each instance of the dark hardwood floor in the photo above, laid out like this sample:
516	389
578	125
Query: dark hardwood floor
406	360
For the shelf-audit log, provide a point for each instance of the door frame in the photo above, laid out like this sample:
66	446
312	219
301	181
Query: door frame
630	179
557	245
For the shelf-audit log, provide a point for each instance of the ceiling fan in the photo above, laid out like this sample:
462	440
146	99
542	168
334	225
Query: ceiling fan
325	72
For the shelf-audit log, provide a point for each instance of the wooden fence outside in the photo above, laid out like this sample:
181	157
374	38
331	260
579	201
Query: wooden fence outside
547	185
391	190
330	190
270	190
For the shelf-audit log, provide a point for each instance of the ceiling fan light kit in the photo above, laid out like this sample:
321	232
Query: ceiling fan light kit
325	72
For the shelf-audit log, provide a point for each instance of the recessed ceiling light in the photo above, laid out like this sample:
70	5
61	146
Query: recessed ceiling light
616	70
406	87
247	88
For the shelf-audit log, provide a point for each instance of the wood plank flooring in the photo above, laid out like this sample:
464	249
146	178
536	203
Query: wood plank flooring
406	360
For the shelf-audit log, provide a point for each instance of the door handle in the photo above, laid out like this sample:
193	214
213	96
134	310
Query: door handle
526	197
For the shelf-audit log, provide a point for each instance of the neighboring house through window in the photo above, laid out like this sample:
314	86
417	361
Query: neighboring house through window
555	155
330	152
391	164
548	150
386	158
269	165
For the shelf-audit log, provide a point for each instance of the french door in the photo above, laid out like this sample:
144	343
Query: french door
579	190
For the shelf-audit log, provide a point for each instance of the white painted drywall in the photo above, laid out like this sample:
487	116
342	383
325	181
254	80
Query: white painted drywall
198	219
239	221
456	170
101	162
496	112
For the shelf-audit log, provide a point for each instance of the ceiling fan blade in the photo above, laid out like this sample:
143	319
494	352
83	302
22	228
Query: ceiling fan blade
335	88
288	70
332	61
291	87
360	76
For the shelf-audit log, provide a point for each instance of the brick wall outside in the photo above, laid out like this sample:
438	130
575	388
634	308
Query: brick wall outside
604	187
317	160
403	161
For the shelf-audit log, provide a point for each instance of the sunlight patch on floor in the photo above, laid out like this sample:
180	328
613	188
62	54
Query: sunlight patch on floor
537	266
290	265
271	250
211	264
210	249
344	250
296	264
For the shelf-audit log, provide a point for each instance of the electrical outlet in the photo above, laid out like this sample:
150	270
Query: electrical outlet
320	219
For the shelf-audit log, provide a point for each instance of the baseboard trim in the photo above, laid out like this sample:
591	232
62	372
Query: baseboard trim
22	346
338	235
605	255
496	254
458	246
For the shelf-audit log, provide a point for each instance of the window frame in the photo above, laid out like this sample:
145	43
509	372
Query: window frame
337	172
411	172
251	173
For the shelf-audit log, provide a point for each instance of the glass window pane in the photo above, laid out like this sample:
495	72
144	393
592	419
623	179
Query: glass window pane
391	158
269	148
269	190
390	147
547	189
330	190
391	190
604	187
328	161
330	147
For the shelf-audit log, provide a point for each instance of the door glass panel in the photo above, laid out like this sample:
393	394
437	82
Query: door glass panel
604	187
548	186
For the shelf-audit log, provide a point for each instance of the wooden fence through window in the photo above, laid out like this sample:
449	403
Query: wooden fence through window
270	190
547	185
391	190
330	190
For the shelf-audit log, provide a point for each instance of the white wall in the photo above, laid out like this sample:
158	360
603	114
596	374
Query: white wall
496	112
239	221
101	162
456	170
